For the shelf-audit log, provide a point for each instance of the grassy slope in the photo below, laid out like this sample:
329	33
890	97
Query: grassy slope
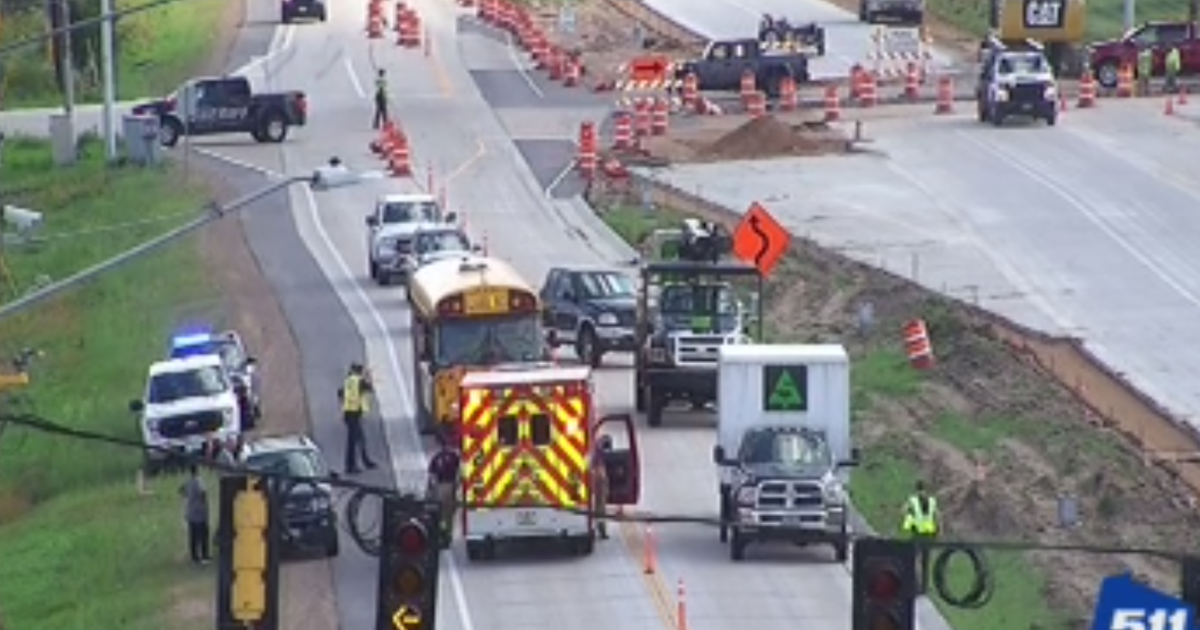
1104	18
71	503
157	50
885	478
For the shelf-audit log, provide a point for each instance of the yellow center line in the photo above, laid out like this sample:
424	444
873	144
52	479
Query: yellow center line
480	151
658	591
439	71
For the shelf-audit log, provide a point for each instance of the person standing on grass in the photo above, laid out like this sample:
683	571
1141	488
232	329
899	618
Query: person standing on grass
195	513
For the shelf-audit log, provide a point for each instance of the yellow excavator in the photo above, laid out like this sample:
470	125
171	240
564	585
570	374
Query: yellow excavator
1058	25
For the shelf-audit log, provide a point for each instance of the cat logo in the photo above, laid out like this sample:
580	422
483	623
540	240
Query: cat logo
1044	13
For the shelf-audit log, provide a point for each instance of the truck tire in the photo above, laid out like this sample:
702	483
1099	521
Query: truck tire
841	551
332	544
725	512
170	130
587	347
737	546
862	11
1107	74
656	402
273	127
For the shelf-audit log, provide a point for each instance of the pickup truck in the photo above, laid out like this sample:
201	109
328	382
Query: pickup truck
1107	57
721	66
210	106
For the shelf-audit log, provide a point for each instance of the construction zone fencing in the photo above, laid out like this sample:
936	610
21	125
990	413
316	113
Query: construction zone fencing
894	51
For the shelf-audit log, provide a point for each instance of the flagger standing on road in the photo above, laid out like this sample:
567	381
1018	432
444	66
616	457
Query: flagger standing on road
921	524
1145	68
381	99
354	396
1172	64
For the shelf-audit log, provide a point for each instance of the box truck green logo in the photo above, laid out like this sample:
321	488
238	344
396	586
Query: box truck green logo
785	388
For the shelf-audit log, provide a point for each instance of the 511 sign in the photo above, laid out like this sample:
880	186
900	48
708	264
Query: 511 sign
1044	13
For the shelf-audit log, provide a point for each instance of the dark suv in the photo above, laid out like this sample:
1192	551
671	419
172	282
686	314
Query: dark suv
592	309
309	515
1015	80
290	10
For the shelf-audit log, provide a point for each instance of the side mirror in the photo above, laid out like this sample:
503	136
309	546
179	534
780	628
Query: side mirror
718	454
136	406
452	217
855	458
372	221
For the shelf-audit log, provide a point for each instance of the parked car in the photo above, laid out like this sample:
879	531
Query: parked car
309	515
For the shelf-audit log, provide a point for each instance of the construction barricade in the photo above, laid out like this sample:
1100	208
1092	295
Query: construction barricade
917	345
892	49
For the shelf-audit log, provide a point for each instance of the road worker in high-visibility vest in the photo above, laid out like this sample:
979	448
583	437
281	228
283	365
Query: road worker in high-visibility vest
1145	70
355	398
1172	65
921	524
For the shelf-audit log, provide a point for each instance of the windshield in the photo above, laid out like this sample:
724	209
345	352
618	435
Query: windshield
296	463
409	211
490	341
1022	64
199	383
442	241
800	449
607	284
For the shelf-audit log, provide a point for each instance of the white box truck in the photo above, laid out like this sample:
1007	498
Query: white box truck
783	445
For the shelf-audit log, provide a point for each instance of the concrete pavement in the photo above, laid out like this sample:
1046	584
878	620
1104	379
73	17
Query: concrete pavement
1084	229
471	148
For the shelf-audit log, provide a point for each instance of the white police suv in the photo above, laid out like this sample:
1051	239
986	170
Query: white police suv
189	405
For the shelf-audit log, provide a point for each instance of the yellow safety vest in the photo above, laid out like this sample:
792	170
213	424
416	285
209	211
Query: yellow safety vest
918	521
1173	61
353	397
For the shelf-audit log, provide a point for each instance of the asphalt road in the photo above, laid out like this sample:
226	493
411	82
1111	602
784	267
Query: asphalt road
1085	229
473	150
848	40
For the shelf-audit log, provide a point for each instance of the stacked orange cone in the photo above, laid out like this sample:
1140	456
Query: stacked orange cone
375	21
399	160
586	161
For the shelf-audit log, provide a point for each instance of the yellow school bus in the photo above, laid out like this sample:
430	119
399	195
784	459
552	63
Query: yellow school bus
468	313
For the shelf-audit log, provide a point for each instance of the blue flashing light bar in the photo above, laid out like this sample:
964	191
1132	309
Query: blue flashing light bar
191	339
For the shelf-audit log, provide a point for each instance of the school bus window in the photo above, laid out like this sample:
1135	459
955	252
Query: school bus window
540	428
489	340
508	430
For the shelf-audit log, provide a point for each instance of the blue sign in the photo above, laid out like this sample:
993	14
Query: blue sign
1126	604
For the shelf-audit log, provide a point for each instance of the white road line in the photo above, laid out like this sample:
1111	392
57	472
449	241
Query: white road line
558	179
262	170
406	395
353	74
280	41
1149	263
512	53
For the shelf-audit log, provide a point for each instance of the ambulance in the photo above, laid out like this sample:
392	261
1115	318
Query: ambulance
528	438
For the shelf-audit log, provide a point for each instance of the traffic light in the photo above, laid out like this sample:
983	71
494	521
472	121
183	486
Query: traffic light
248	562
408	565
885	585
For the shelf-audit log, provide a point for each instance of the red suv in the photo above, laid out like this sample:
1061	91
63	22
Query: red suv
1108	57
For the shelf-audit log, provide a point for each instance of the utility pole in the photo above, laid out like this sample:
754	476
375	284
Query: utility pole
1130	14
108	59
68	63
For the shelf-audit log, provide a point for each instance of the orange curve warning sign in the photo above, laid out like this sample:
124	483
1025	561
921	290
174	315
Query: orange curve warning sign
760	240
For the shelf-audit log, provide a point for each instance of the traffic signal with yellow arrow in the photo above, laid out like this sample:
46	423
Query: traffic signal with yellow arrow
408	566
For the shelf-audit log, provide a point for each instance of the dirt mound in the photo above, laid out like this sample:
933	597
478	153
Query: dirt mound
767	136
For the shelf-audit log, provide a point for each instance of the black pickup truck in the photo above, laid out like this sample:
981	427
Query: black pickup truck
209	106
720	68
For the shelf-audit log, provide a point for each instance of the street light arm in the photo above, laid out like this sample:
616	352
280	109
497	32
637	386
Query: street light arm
212	213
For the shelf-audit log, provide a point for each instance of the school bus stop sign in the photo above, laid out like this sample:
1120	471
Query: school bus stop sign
760	240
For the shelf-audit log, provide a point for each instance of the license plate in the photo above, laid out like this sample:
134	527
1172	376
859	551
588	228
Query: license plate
526	518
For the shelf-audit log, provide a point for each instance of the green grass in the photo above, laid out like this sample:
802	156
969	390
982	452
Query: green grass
69	503
887	472
633	223
1105	18
106	558
157	50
